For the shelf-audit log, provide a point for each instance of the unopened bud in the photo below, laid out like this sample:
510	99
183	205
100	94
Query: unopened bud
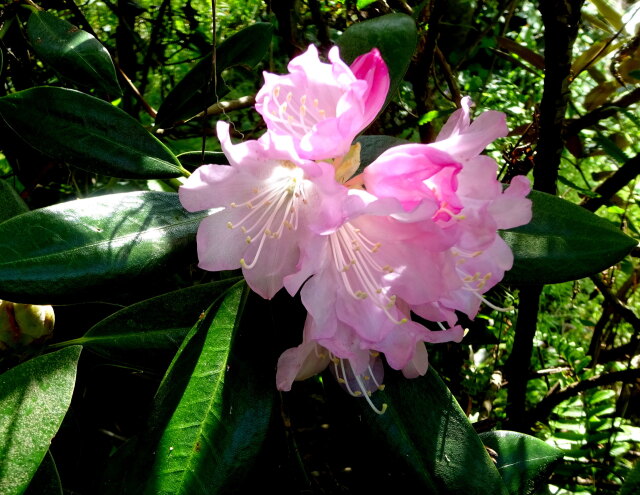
21	324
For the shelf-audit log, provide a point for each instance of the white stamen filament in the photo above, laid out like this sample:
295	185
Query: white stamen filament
341	374
477	278
270	212
353	253
288	110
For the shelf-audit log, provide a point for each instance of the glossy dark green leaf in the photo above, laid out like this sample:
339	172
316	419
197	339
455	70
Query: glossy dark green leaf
34	398
196	91
425	427
46	481
563	242
525	462
374	146
395	35
87	133
74	53
154	325
11	204
88	249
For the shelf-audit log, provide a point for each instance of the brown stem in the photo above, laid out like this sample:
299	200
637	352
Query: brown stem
625	174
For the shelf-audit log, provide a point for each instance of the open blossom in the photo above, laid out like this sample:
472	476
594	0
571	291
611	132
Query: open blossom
319	108
361	276
479	257
265	205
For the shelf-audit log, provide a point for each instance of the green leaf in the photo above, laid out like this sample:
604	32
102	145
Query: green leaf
220	421
425	427
524	462
563	242
46	481
374	146
89	249
195	91
395	35
364	3
87	133
151	326
74	53
11	204
34	398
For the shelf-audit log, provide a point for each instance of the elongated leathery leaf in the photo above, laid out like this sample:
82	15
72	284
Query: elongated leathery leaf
563	242
395	35
84	250
153	325
425	427
525	462
87	133
34	398
220	420
74	53
196	91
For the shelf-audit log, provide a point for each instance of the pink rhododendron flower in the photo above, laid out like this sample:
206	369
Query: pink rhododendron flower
473	209
265	206
361	276
319	108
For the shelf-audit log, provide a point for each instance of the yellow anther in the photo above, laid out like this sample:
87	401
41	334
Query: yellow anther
303	99
229	225
249	205
233	205
375	247
316	102
248	239
289	96
322	113
283	108
378	290
360	294
243	264
303	110
374	353
357	393
381	387
244	229
276	91
403	321
341	380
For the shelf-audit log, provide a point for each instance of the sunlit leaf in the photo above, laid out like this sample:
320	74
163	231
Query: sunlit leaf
87	132
85	250
395	35
563	242
34	398
524	462
196	91
74	53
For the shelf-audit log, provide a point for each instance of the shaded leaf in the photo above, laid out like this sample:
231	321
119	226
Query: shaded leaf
150	326
425	427
34	398
524	462
11	204
46	480
395	35
193	159
196	91
631	484
85	250
74	53
87	133
374	146
563	242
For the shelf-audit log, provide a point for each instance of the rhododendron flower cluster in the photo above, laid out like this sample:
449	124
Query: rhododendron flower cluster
415	234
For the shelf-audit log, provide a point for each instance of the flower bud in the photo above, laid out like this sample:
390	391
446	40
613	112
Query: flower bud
22	324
